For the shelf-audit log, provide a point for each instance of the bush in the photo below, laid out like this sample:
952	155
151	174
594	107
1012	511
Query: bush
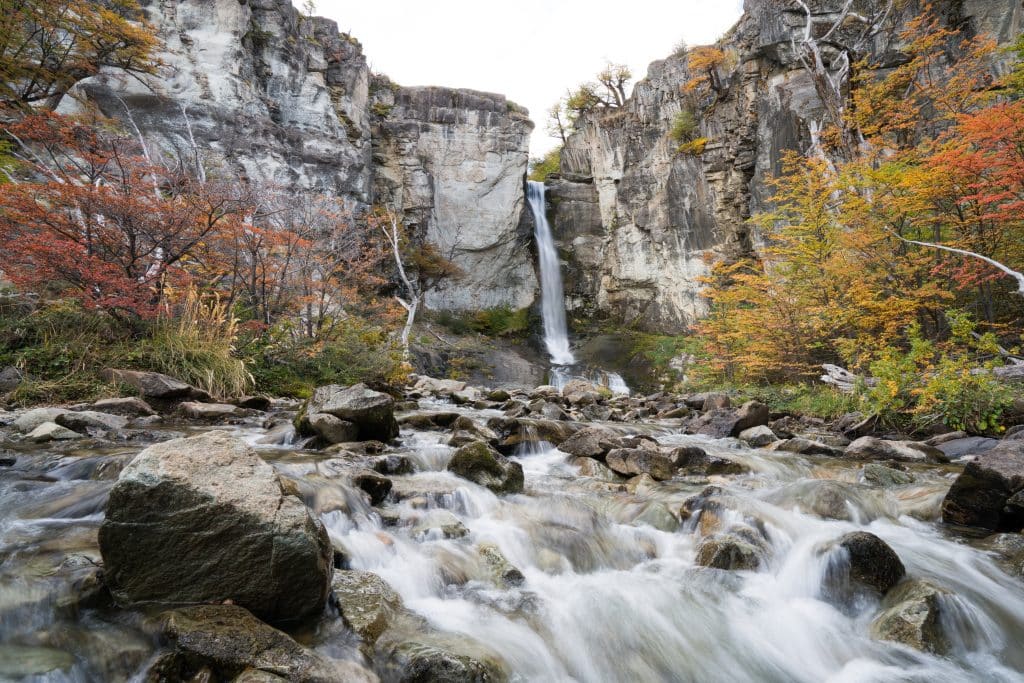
547	165
694	148
684	126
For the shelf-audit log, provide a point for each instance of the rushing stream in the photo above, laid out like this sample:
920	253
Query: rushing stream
611	591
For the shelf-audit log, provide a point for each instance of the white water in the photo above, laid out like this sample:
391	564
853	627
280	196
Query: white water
556	331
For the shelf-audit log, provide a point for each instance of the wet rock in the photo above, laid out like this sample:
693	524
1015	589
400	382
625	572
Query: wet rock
697	461
21	662
658	516
130	406
589	467
803	446
374	484
728	551
590	442
333	429
393	465
980	495
516	432
466	396
90	420
439	387
228	641
371	411
498	395
630	461
868	562
912	616
30	419
51	431
968	445
882	475
439	522
1009	550
428	421
506	575
420	663
715	401
483	465
758	437
204	519
366	603
872	448
155	385
209	411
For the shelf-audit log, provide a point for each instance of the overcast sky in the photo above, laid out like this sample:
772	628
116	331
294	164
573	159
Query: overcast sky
530	50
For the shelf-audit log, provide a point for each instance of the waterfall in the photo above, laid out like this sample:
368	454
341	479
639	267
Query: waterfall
556	332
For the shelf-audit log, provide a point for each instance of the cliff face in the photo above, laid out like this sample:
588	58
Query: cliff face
639	222
287	99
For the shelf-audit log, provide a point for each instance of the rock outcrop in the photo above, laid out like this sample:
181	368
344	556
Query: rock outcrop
636	218
205	520
289	102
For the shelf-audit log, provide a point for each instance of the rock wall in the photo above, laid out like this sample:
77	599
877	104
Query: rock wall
639	223
286	99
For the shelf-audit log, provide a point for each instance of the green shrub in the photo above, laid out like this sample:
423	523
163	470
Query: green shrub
684	127
547	165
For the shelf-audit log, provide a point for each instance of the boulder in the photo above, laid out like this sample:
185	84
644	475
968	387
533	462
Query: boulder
516	432
882	475
439	523
10	379
366	603
428	421
483	465
466	396
802	446
129	406
30	419
374	484
590	442
505	574
718	424
697	461
589	467
51	431
631	461
228	641
333	429
751	414
154	385
758	437
90	420
867	562
204	519
873	448
260	403
728	551
967	445
372	411
980	496
715	401
439	387
209	411
912	616
1009	551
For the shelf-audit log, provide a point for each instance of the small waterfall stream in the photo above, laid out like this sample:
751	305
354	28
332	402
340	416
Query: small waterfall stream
556	331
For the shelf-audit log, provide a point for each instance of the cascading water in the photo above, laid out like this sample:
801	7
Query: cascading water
556	332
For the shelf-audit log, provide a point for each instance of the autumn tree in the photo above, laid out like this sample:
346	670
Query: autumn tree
606	93
46	46
88	216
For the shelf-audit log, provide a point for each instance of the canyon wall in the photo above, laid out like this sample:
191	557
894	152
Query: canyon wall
257	88
639	223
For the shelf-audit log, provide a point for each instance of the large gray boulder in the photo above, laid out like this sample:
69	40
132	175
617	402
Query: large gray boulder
872	448
987	493
204	520
373	412
866	562
633	461
366	603
90	420
483	465
228	641
590	442
30	419
155	385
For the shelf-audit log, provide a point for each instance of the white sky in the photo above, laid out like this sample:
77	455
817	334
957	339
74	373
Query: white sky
531	50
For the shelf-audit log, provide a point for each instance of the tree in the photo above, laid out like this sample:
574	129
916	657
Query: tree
89	217
46	46
606	94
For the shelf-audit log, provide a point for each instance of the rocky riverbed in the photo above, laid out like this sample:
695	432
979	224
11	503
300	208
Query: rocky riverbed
460	534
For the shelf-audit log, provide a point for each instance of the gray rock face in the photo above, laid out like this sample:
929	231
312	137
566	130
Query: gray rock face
981	496
912	616
203	520
635	219
453	162
230	642
287	100
371	411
